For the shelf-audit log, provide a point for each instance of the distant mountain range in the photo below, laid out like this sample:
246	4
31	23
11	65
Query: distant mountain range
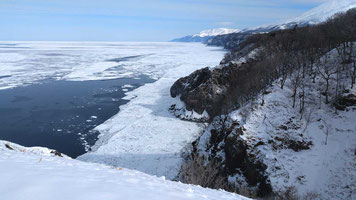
314	16
205	35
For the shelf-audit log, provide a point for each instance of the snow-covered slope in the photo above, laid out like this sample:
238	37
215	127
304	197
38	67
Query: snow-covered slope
314	16
328	168
36	174
205	35
324	11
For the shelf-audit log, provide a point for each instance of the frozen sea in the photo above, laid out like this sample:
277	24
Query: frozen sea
26	63
66	95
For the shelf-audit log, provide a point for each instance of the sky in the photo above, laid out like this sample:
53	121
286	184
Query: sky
137	20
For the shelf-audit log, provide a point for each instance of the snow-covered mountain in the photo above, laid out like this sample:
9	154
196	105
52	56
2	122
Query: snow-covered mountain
39	173
215	32
314	16
324	11
311	17
205	35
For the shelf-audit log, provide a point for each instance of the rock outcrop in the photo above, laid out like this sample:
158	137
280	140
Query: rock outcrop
222	89
221	153
202	90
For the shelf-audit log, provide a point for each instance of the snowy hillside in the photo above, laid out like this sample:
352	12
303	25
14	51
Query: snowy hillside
324	11
36	173
328	168
311	17
284	116
205	35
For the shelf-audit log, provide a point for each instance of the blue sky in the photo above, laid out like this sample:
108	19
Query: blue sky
137	20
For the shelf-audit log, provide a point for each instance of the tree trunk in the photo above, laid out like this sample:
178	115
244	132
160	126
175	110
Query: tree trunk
353	76
326	91
337	81
294	95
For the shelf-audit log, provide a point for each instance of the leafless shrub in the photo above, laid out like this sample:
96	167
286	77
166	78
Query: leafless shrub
206	174
247	191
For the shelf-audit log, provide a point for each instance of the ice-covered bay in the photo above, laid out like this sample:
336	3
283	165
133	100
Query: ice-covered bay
24	63
143	135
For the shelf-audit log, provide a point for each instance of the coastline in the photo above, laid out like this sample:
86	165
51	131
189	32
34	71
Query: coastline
133	137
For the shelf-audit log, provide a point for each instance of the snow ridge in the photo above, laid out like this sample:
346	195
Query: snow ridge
205	35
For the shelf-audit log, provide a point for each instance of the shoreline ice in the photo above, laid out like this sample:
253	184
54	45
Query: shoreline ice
144	135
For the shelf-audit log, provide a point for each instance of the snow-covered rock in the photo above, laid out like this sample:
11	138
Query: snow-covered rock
35	174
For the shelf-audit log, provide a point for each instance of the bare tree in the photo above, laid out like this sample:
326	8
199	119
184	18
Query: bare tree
199	172
283	67
295	81
353	70
326	69
302	98
344	69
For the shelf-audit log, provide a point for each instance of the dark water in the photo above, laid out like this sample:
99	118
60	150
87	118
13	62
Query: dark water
61	114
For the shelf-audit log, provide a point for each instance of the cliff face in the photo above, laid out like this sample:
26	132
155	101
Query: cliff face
222	153
203	90
224	88
217	90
